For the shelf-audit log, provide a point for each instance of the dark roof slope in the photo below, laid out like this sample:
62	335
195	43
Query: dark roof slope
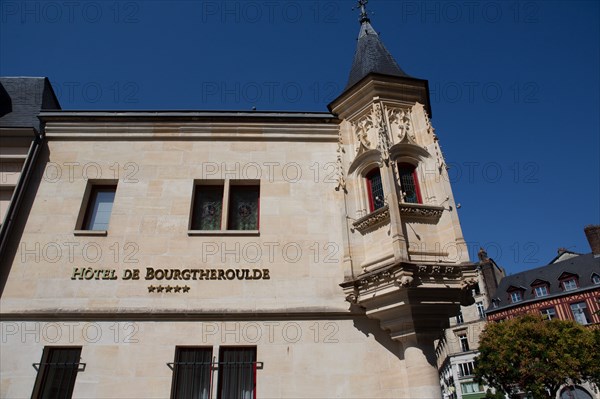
371	56
583	265
22	99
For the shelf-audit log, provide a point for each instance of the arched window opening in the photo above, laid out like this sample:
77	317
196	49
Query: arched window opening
374	189
409	183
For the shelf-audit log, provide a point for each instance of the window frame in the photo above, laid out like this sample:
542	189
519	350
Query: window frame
224	230
463	340
517	293
584	311
221	368
540	287
400	165
545	312
595	278
82	225
370	194
176	372
45	368
569	280
480	309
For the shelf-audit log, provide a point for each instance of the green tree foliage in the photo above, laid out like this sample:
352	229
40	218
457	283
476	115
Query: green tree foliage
537	356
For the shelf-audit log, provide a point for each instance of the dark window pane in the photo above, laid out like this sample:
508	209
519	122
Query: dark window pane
192	373
375	188
57	372
100	208
208	204
237	373
243	208
408	183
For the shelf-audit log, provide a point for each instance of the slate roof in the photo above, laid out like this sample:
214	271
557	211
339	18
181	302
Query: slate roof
371	56
22	99
583	265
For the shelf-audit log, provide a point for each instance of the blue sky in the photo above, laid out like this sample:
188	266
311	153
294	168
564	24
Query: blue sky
514	86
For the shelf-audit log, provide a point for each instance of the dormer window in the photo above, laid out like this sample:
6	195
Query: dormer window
595	278
409	183
540	291
568	281
516	296
374	189
540	288
515	293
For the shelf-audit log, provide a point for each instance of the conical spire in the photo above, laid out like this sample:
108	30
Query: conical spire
371	56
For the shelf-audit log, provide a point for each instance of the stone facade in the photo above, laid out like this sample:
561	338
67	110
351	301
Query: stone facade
352	266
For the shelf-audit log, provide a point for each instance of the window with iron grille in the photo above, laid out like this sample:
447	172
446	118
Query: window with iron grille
237	373
195	373
409	183
375	190
57	372
192	372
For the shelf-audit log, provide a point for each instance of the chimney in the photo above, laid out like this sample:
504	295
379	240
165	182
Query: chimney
592	232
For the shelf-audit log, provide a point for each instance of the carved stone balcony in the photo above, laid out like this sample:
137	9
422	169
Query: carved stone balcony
411	298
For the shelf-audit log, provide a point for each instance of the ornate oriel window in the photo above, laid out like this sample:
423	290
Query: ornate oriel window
409	183
375	189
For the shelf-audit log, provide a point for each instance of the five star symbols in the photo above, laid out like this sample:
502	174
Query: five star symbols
168	288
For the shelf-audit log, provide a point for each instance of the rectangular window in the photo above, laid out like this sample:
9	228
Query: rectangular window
459	318
466	369
464	342
516	296
470	387
480	310
208	207
540	291
99	207
569	285
192	371
580	313
243	208
57	372
225	206
237	373
549	313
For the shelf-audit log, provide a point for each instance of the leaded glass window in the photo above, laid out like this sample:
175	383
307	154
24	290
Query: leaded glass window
208	205
408	183
243	207
57	373
192	373
375	188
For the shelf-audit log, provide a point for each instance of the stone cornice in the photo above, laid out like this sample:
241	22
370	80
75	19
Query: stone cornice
175	315
115	129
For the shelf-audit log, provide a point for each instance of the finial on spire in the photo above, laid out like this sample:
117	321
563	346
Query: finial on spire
364	17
